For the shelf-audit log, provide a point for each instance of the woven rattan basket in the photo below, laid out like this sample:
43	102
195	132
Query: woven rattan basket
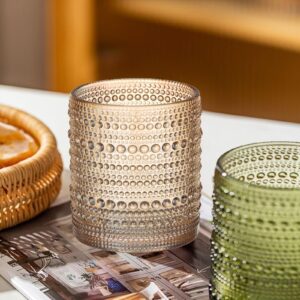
30	186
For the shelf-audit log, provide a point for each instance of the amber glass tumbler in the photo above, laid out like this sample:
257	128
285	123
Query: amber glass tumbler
135	164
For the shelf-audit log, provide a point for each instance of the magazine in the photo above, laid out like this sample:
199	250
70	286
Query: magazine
43	260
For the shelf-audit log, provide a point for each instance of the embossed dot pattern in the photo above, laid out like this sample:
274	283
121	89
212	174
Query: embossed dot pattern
255	244
133	92
135	163
271	166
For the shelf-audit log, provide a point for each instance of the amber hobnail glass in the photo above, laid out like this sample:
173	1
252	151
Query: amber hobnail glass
256	237
135	164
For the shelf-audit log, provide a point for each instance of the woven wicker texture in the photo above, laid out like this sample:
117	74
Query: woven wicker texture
30	186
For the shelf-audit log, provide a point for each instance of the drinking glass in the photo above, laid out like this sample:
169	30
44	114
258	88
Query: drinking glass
256	239
135	164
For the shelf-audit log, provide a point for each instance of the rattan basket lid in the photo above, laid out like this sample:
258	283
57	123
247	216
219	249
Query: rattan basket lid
29	187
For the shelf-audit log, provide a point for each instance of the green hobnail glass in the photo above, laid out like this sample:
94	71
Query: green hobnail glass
256	239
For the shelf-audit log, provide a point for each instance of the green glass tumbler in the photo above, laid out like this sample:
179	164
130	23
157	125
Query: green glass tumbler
255	244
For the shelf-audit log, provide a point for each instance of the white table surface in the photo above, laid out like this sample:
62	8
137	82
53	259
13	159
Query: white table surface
221	132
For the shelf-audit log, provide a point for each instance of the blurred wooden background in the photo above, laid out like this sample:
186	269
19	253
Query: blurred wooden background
244	58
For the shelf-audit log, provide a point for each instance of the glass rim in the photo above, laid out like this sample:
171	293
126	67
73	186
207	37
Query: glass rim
195	93
224	173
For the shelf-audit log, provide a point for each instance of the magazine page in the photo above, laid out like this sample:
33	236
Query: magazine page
43	260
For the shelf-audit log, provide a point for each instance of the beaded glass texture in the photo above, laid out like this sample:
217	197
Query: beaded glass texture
135	164
256	216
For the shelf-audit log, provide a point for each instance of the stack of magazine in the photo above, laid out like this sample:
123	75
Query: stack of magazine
43	260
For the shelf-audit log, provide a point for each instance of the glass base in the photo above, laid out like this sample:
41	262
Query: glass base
140	243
